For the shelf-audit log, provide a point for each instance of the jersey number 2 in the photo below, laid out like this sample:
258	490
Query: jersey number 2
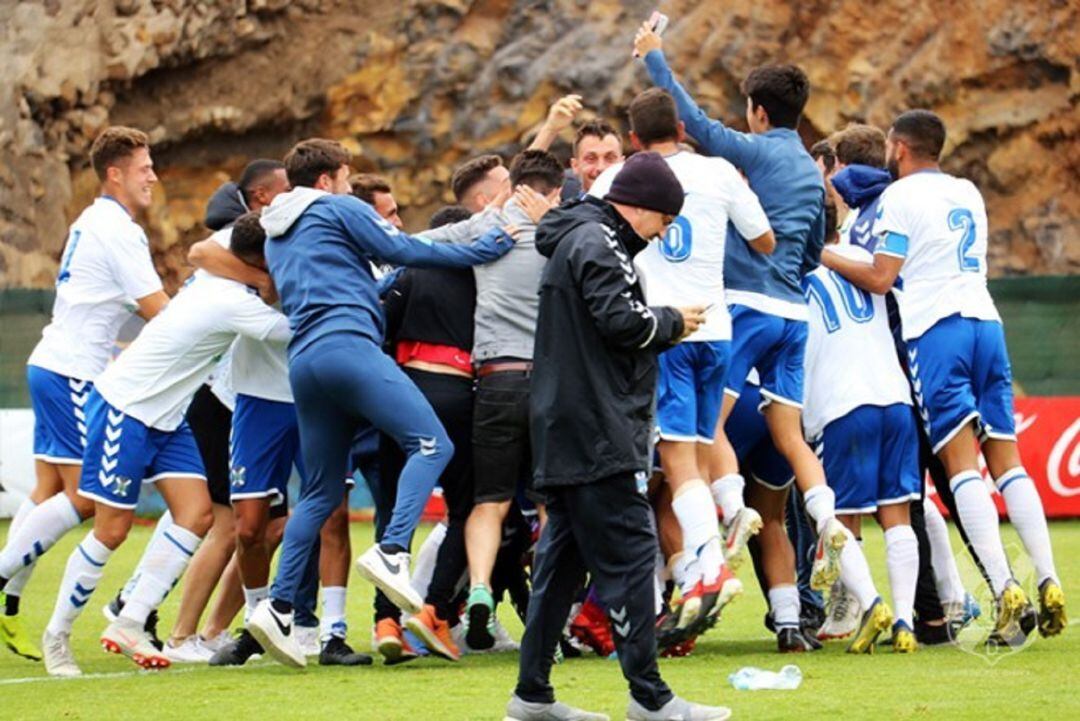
961	219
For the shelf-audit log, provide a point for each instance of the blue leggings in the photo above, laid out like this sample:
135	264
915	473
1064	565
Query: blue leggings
339	382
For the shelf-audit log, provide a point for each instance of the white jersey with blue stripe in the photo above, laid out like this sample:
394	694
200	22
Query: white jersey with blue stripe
937	224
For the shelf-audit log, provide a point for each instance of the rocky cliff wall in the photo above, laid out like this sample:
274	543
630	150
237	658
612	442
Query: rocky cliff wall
415	87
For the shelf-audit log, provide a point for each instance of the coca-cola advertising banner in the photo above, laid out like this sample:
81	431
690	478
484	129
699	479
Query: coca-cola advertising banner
1048	431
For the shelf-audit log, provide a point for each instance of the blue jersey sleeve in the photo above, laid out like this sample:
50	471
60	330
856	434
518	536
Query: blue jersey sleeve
894	244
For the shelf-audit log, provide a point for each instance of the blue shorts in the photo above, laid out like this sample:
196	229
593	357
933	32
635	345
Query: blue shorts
871	458
749	435
122	453
59	405
960	373
773	345
690	390
263	447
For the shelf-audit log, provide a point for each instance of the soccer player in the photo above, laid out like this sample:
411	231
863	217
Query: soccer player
858	408
933	232
687	267
321	241
763	292
105	275
136	434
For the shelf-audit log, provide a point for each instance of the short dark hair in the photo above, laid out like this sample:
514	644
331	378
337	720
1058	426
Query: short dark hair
254	173
365	185
448	214
781	89
860	144
114	145
831	221
598	128
471	172
309	159
823	149
538	169
653	116
921	130
248	238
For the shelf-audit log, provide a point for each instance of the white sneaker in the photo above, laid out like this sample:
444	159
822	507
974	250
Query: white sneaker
677	709
844	614
308	638
274	632
131	640
190	650
59	660
747	523
390	573
826	568
213	645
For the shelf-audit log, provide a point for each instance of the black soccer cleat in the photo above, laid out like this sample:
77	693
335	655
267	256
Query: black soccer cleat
238	651
336	652
793	640
930	635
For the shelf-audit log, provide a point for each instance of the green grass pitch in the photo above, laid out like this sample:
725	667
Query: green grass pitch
1037	682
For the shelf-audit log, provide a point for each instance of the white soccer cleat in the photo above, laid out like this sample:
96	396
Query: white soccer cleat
745	525
390	573
59	660
826	568
274	632
131	640
844	614
308	638
190	650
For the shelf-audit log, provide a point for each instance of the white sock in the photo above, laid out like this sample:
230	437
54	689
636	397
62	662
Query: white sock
424	563
333	613
164	562
685	571
17	583
855	573
820	504
1025	510
728	494
694	507
947	579
979	516
40	529
252	597
902	558
784	602
84	568
163	524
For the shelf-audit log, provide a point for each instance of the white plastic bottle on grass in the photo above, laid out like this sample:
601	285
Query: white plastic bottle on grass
750	678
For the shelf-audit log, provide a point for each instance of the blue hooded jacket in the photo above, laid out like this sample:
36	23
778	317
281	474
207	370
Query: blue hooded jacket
861	187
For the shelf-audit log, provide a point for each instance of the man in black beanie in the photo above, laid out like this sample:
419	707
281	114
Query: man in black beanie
591	411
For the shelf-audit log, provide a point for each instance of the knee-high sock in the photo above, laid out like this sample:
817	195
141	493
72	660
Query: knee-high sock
950	586
855	573
728	494
424	563
902	559
17	583
694	507
84	568
820	504
1026	513
163	524
685	571
40	529
980	519
333	613
784	603
165	560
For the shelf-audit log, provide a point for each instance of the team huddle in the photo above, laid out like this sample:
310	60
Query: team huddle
625	377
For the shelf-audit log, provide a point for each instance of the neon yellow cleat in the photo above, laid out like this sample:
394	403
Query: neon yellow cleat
1052	620
903	639
878	618
14	636
1010	609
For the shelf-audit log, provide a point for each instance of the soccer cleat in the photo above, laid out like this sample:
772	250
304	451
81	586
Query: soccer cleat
391	644
903	639
928	634
112	610
518	710
679	650
308	638
190	650
793	640
237	651
677	709
274	632
843	614
811	619
593	629
715	598
480	618
336	652
747	523
14	636
1052	620
830	543
390	574
961	613
434	633
128	639
1011	608
56	650
877	619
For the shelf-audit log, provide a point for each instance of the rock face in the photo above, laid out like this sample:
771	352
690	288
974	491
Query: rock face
416	86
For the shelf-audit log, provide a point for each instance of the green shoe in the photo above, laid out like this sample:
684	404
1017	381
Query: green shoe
14	636
480	619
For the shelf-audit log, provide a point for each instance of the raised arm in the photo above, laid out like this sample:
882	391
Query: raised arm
560	116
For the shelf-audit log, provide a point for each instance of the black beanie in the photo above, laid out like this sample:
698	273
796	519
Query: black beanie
646	181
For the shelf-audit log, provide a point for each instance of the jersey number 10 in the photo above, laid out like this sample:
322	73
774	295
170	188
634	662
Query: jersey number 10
858	304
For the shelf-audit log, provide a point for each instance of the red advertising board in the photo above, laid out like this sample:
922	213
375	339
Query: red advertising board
1048	430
